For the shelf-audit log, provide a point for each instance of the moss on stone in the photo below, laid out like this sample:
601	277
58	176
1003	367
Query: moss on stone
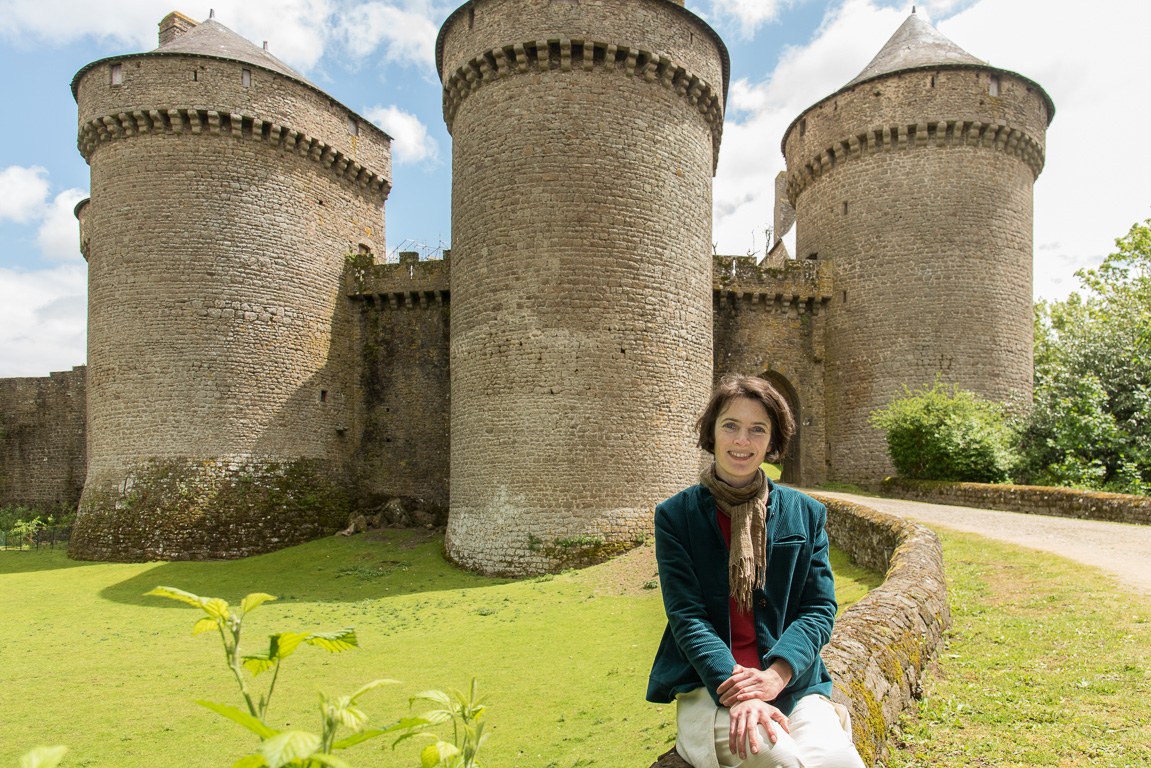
189	509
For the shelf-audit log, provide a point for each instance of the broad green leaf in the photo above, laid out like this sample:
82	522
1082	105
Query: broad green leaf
216	608
206	624
253	724
437	754
43	757
438	697
283	644
178	594
251	761
340	710
407	723
358	738
437	716
369	686
285	747
332	760
340	640
257	663
254	601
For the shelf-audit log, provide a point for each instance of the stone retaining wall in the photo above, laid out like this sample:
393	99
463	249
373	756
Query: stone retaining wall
883	643
1029	499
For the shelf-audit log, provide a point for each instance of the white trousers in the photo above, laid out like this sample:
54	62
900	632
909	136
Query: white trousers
820	737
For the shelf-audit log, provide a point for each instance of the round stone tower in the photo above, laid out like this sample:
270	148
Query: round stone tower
585	136
229	198
915	180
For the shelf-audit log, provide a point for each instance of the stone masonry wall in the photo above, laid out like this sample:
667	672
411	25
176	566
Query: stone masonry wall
881	645
219	336
42	451
1029	499
584	141
404	323
770	322
917	186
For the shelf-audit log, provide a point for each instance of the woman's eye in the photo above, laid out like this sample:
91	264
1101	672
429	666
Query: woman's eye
729	427
759	430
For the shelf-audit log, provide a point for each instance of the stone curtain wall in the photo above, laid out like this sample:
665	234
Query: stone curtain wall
221	345
406	401
1029	499
772	321
918	187
42	451
881	645
584	142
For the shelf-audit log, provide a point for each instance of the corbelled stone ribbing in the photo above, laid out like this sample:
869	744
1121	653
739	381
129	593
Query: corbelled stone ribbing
565	54
932	134
219	122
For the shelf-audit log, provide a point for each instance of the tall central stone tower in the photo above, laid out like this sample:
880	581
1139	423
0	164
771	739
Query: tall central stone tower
915	180
585	136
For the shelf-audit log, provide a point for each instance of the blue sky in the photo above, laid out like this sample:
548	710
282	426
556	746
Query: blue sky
377	57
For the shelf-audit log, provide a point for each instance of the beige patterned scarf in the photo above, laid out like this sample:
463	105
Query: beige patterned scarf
747	508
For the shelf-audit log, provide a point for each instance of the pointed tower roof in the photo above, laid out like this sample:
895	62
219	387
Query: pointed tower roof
915	44
211	38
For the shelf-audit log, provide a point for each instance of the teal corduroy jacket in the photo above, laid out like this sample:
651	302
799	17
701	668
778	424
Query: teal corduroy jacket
794	612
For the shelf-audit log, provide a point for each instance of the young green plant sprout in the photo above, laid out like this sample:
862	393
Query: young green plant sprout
298	749
466	713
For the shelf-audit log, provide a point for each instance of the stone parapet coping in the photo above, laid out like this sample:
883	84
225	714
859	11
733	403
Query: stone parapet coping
1028	499
882	644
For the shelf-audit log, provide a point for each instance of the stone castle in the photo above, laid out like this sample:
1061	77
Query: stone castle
254	373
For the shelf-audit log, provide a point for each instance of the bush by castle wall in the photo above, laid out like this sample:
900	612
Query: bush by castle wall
1029	499
882	644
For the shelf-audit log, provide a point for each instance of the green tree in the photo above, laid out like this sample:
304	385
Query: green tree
943	433
1090	425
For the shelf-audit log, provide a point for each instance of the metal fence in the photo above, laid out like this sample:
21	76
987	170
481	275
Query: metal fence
45	537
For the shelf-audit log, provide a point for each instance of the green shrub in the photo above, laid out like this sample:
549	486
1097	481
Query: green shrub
947	434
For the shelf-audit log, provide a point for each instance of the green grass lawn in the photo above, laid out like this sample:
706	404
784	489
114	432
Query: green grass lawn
86	660
1046	665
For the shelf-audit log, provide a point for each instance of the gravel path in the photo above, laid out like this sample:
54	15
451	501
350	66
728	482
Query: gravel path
1117	548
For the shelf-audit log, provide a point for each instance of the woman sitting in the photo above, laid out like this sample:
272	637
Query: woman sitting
750	600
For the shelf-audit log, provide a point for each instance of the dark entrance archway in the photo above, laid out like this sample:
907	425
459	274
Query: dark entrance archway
792	472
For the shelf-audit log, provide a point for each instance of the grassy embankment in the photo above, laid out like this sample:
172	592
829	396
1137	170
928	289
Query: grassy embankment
1047	664
86	660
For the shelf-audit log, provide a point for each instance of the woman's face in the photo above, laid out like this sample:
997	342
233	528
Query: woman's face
742	437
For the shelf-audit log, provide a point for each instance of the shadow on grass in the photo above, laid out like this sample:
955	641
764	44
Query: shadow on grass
335	569
32	560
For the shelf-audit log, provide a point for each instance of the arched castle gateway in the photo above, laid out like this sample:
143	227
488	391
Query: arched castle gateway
253	373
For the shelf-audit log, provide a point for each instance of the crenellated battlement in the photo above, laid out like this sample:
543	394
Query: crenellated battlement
568	54
411	283
805	286
201	121
929	134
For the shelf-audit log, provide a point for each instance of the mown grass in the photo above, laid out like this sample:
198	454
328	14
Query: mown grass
1046	665
86	660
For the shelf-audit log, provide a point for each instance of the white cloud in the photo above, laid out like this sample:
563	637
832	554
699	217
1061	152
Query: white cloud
407	33
759	113
748	14
411	142
131	23
42	320
23	192
59	236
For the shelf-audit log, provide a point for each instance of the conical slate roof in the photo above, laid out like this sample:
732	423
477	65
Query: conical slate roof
211	38
915	44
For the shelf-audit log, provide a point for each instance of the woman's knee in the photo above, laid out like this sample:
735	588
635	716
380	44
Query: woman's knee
781	754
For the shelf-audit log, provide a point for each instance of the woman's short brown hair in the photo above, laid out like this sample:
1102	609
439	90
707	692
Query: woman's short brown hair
735	385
